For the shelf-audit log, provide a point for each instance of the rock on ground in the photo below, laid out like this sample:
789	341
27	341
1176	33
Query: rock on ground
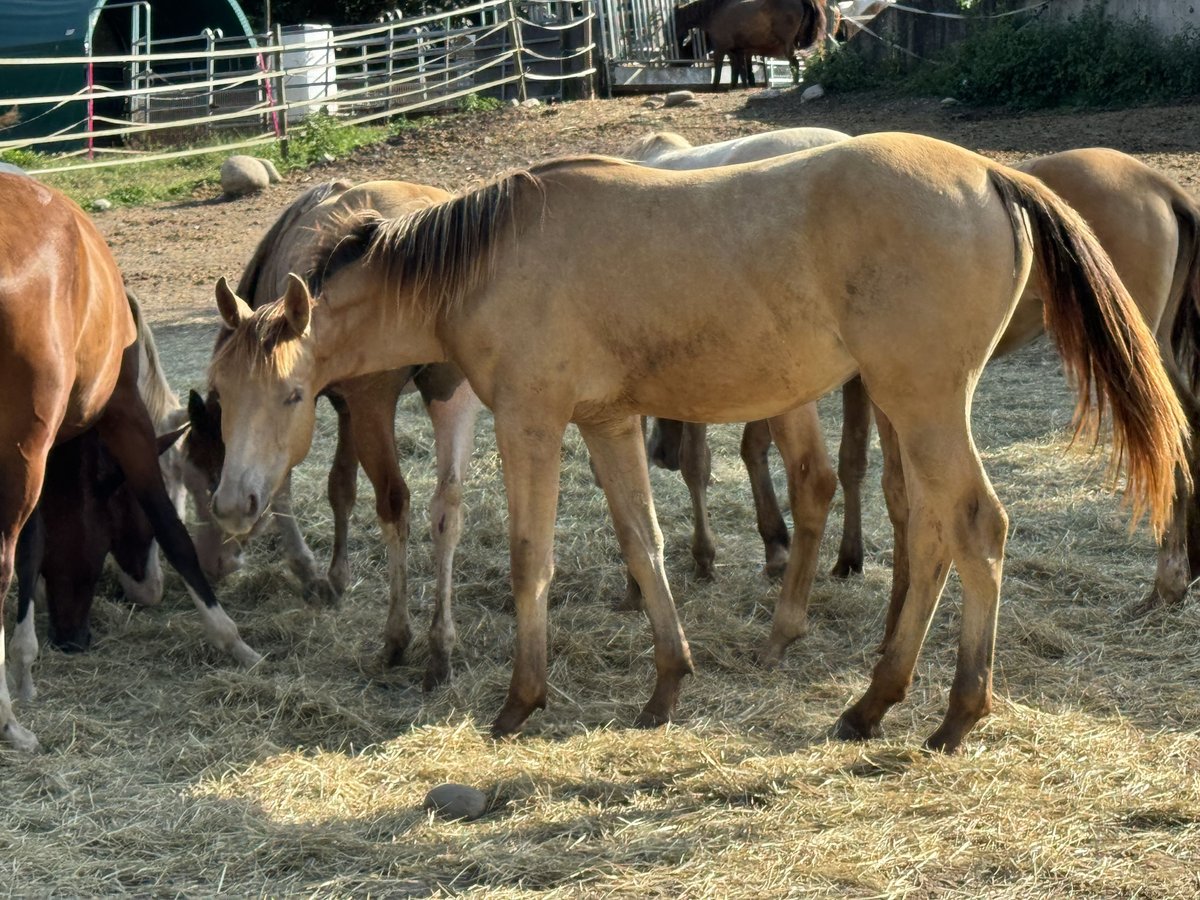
241	175
456	801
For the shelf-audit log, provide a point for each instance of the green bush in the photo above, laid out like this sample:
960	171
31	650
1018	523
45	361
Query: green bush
26	159
475	103
1091	60
320	134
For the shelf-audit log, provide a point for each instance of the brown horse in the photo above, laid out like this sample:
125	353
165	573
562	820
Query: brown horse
744	28
69	362
366	408
1147	223
483	278
86	512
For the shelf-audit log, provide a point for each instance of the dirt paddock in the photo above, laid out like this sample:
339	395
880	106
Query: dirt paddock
167	772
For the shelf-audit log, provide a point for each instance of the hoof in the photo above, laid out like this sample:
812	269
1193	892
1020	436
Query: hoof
510	721
321	591
776	564
437	673
651	718
706	571
847	566
245	655
849	728
943	742
339	578
392	656
20	738
632	601
26	690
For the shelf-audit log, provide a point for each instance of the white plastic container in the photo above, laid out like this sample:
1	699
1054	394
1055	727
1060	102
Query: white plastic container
312	76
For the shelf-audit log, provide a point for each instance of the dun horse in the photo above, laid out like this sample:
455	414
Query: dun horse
366	408
657	314
744	28
1151	230
69	362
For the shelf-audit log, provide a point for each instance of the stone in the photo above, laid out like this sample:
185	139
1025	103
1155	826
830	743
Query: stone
813	92
101	205
764	95
456	802
678	98
696	101
273	175
949	101
242	175
654	103
531	103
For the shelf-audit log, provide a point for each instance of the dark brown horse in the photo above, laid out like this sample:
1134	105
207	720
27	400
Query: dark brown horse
69	362
740	29
85	513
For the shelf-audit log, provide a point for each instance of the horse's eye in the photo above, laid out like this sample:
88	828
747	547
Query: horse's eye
294	397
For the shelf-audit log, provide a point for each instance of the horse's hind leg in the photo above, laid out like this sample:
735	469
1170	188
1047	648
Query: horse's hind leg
31	547
618	454
126	429
342	486
756	442
954	516
895	494
454	438
852	469
811	486
695	464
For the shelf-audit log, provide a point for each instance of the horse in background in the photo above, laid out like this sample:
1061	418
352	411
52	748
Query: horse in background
69	361
366	409
740	29
494	274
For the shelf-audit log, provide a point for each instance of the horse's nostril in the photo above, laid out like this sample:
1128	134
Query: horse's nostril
252	505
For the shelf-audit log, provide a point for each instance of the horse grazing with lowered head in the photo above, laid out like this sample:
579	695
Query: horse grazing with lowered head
366	408
483	277
1150	228
740	29
69	361
87	512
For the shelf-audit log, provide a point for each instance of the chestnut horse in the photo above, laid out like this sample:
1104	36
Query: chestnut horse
85	512
743	28
69	362
366	408
657	314
1151	230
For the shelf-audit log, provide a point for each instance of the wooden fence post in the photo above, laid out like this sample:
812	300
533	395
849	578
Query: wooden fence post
281	93
518	47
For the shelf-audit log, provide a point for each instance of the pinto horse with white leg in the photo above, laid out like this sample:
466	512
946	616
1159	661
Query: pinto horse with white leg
366	408
69	362
660	313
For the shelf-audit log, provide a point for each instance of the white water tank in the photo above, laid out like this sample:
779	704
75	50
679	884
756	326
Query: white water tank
311	77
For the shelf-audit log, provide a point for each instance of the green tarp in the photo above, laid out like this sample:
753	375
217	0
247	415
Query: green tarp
48	28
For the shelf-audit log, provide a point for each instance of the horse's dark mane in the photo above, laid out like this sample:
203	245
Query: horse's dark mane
269	245
437	254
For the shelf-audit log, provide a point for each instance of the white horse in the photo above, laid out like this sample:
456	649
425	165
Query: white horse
667	150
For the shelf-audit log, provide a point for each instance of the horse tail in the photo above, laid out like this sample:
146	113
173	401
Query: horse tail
1105	344
812	23
252	276
1185	331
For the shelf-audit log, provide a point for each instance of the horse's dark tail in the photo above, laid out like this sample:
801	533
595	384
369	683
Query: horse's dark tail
251	279
1105	344
812	24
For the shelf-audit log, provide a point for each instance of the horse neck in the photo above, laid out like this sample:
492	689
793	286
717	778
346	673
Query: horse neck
694	15
360	328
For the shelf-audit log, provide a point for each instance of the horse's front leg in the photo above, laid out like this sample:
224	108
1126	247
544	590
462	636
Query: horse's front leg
453	421
530	448
619	456
126	429
342	490
852	469
313	584
794	65
718	58
811	486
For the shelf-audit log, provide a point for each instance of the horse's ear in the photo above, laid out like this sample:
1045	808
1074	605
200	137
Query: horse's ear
166	441
297	304
234	309
196	409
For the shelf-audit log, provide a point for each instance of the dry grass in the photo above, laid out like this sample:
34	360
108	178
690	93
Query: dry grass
168	773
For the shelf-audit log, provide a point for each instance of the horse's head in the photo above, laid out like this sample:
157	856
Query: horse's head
264	370
687	17
652	146
203	456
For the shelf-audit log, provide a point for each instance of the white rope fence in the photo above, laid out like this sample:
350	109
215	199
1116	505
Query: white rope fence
251	92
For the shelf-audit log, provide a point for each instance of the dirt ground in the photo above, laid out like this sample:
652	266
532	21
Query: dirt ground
168	772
